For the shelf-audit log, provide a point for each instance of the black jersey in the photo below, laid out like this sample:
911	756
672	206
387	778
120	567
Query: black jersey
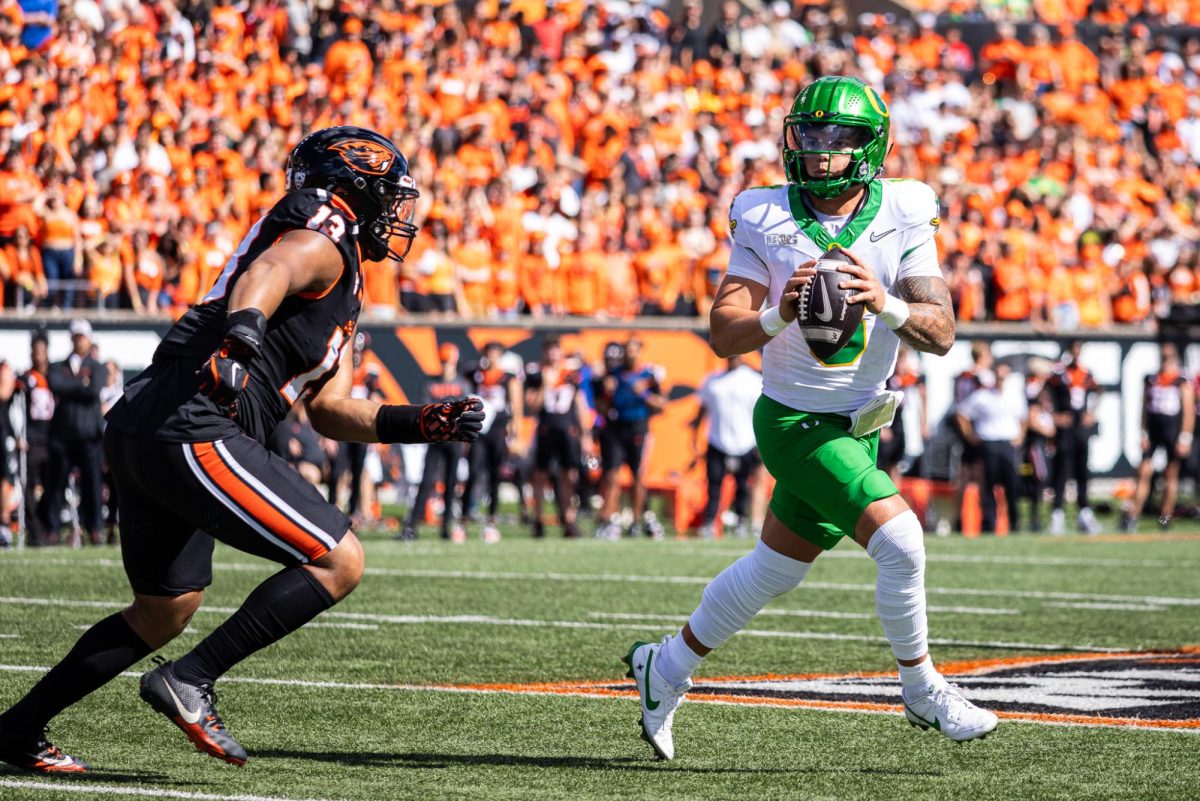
1164	395
491	382
560	386
304	340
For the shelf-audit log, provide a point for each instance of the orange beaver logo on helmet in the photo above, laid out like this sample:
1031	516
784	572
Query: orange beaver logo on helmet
365	156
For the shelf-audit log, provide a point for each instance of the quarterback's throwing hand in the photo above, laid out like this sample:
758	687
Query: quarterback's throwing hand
452	420
870	290
791	290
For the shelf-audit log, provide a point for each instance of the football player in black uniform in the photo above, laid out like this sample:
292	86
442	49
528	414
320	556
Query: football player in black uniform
500	391
186	447
1168	401
552	391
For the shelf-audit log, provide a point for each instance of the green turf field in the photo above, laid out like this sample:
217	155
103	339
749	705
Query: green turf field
431	613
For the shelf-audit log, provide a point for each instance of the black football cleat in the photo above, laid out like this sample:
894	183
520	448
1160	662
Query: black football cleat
193	708
38	755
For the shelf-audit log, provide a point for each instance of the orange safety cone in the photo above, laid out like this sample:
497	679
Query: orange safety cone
1003	524
972	512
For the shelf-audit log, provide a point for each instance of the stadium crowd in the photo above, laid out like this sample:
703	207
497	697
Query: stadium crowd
578	158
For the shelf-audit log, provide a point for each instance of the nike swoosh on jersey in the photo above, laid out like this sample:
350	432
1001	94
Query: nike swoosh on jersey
188	715
877	237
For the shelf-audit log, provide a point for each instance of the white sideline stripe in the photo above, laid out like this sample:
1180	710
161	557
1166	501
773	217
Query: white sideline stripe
1103	605
316	624
621	578
489	620
144	792
232	506
10	636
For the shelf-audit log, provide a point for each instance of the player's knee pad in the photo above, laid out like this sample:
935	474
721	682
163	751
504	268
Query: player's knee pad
898	548
738	593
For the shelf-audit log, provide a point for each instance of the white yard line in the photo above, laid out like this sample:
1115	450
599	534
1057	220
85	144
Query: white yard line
93	788
628	578
822	613
10	636
86	626
1124	607
987	559
490	620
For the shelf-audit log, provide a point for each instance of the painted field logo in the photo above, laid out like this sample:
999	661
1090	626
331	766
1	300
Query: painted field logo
1140	690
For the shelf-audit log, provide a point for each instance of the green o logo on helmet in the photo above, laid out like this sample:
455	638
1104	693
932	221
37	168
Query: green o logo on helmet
835	118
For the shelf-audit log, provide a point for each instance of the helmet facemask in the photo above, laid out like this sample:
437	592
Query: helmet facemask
826	158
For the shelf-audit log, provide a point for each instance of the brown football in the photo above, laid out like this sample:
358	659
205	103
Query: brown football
826	318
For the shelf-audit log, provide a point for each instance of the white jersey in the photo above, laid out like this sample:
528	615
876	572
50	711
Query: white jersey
772	232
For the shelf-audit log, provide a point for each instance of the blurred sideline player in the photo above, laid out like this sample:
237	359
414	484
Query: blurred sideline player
186	446
500	392
828	485
727	399
626	397
552	391
1075	395
441	458
1167	423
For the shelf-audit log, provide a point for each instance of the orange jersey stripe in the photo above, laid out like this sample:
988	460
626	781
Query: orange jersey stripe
254	504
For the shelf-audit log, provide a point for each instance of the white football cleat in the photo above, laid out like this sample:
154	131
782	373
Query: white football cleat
1058	522
659	699
942	707
1088	523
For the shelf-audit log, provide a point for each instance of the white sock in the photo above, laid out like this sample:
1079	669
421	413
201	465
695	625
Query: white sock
677	661
898	548
730	601
917	677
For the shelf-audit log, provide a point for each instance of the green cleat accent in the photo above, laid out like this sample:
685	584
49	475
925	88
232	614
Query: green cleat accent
628	658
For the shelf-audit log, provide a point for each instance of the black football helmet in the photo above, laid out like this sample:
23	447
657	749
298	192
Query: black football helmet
367	171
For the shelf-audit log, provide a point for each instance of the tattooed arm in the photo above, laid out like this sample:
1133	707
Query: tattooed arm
930	324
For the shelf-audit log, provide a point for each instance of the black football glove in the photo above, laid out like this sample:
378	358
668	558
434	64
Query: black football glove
452	420
227	371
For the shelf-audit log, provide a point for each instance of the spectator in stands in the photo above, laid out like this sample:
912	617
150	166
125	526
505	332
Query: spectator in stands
503	403
1168	424
24	262
9	480
993	419
61	247
727	400
34	386
554	393
75	434
1074	394
626	396
441	458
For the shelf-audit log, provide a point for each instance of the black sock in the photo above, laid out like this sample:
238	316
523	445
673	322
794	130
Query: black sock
276	608
100	655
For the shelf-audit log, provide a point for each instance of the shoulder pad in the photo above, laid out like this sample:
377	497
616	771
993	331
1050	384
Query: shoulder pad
912	202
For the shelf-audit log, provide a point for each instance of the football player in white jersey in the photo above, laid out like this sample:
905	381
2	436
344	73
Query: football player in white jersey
817	420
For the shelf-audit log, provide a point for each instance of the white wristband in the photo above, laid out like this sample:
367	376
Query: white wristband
1185	438
771	321
895	312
